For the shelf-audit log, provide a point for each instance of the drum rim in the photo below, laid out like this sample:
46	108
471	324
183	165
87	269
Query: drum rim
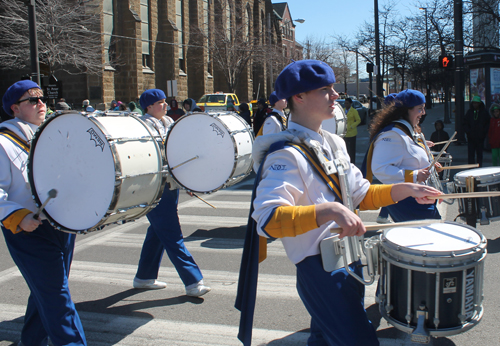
214	115
434	261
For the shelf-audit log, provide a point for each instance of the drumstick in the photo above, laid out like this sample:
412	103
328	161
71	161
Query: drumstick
52	194
467	195
436	143
203	200
442	150
376	227
182	163
462	166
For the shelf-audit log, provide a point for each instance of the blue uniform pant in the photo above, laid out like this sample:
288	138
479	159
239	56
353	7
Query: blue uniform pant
44	258
335	302
164	233
409	210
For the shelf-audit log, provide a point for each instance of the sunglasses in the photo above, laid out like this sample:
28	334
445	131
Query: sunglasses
34	100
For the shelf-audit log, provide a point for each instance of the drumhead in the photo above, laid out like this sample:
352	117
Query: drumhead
70	154
337	124
484	174
201	150
438	237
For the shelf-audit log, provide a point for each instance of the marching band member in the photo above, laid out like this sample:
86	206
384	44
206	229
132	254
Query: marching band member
296	201
275	121
164	232
42	253
395	154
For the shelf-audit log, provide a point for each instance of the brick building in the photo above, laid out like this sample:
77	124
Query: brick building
146	43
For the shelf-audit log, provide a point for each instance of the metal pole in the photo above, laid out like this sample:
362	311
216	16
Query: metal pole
35	64
459	70
429	99
377	54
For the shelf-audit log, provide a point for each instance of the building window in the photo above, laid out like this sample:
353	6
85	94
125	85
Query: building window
146	58
179	22
206	31
108	13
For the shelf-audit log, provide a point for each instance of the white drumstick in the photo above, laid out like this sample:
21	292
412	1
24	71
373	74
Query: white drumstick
377	227
442	150
203	200
183	163
475	165
52	194
444	142
467	195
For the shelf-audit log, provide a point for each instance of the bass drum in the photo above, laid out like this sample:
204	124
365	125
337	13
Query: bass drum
105	169
337	124
207	152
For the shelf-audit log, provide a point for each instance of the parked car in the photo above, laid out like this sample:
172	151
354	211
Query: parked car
363	98
362	110
217	102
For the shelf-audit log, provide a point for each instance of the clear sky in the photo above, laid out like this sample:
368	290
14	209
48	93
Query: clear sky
326	18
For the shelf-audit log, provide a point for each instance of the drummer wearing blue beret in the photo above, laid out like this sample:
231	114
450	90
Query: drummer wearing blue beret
298	198
397	153
42	253
164	232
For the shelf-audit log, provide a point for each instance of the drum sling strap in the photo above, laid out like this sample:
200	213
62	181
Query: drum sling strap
281	120
14	138
366	166
255	246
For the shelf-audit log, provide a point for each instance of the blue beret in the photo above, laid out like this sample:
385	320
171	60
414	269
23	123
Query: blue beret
273	98
14	93
151	96
390	99
302	76
409	98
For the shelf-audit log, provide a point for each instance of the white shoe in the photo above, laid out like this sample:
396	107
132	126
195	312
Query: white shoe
381	219
197	290
152	284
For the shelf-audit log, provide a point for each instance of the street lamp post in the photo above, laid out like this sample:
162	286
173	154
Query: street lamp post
35	64
428	94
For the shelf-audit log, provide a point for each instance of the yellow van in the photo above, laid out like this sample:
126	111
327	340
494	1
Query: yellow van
217	102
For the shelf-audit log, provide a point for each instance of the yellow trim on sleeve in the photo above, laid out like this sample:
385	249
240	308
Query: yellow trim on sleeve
12	222
376	197
409	176
291	221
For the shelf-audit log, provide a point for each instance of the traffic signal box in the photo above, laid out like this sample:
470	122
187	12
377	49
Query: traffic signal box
446	61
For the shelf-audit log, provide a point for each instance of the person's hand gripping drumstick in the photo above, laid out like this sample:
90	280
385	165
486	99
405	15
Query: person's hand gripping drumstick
32	221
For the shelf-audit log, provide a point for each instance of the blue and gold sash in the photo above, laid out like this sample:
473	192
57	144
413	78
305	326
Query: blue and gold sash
14	138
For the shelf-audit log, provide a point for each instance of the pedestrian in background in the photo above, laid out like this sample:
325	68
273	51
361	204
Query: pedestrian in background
260	115
190	106
133	107
164	232
244	112
42	253
174	112
353	120
440	135
475	124
494	134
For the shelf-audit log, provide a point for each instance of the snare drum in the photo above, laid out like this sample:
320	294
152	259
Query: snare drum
486	179
207	152
337	124
431	280
445	161
105	169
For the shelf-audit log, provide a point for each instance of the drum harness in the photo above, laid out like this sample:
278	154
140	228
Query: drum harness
337	253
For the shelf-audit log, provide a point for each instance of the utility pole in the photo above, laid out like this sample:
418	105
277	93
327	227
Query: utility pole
377	54
35	63
459	70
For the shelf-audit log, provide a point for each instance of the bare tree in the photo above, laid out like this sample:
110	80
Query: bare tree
68	34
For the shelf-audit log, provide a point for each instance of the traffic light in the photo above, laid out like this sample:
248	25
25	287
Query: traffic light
369	67
446	61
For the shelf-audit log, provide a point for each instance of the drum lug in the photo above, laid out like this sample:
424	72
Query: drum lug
484	220
420	334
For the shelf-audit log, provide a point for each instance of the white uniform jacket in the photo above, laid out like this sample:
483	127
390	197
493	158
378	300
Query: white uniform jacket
271	124
15	191
397	157
289	180
161	126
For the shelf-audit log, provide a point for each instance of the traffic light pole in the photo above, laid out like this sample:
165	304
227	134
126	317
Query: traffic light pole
459	70
35	63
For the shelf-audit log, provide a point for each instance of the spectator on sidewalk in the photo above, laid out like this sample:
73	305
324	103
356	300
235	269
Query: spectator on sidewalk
494	134
244	112
475	124
440	135
353	120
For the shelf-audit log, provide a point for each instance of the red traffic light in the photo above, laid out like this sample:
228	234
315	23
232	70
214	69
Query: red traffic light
446	61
